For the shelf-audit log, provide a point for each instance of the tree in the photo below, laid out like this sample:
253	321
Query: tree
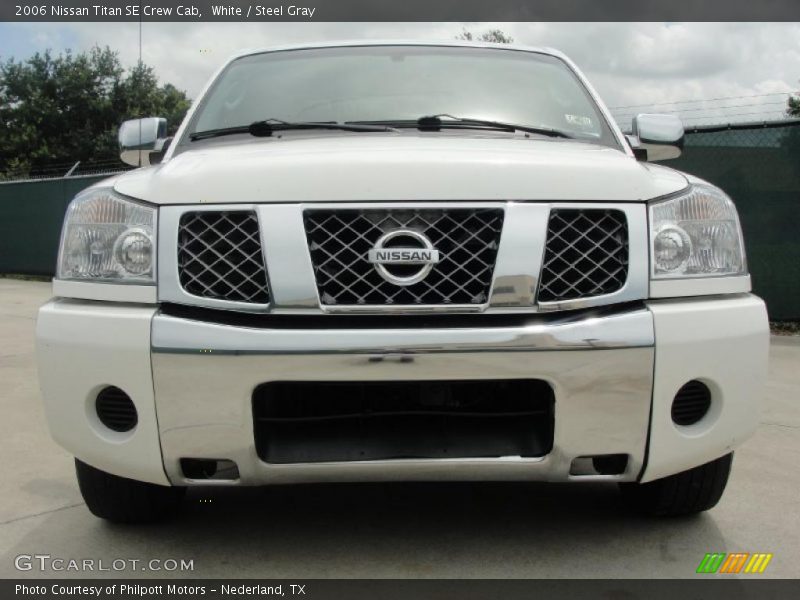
791	139
493	35
65	108
793	107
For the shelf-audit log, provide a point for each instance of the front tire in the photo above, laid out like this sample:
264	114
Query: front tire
123	500
685	493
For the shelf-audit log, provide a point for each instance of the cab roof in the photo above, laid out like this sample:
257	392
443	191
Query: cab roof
357	43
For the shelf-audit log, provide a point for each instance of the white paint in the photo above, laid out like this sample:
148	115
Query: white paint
723	342
112	292
397	167
699	286
81	348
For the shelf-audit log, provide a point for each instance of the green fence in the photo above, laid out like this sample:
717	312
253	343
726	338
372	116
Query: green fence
31	213
759	166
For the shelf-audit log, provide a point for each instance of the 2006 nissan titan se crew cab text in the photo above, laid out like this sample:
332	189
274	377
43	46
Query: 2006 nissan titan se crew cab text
401	261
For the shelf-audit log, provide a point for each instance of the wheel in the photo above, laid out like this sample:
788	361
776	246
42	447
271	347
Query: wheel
124	500
684	493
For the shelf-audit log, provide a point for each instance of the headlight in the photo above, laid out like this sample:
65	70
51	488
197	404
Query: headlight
696	235
108	238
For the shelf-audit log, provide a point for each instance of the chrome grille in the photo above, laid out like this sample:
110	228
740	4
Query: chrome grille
219	256
586	254
467	240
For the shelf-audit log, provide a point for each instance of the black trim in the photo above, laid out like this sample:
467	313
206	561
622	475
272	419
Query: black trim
733	127
389	321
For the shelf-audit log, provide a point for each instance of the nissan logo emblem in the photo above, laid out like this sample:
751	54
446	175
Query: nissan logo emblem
396	250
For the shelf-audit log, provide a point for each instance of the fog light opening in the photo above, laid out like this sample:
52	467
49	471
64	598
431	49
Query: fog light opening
600	464
216	469
691	403
116	410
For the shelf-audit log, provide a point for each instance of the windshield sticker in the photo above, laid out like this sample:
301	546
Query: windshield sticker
578	120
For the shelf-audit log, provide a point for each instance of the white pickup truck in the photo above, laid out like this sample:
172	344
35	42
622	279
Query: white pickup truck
401	261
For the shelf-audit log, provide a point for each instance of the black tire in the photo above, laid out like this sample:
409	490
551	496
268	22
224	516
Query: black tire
122	500
685	493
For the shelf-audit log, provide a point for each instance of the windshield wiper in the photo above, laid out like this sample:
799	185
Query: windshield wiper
436	123
267	127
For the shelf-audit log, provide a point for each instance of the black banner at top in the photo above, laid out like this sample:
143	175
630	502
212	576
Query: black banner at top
399	10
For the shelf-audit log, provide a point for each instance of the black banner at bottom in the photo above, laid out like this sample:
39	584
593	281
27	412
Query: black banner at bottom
391	589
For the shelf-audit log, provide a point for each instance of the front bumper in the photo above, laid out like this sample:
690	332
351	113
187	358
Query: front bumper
614	375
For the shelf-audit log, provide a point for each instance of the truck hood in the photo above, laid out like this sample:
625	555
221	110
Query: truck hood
397	167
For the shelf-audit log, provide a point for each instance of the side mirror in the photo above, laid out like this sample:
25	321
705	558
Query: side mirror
660	135
142	142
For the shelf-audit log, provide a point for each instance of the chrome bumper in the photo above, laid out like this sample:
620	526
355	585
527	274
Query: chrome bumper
601	369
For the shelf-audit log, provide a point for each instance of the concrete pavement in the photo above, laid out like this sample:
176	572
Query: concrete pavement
397	530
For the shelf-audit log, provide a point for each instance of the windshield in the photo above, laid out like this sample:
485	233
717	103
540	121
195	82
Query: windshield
402	83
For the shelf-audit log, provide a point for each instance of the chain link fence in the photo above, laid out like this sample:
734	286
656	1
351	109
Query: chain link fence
758	165
67	169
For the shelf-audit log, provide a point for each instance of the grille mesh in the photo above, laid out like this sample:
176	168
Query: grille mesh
219	256
467	240
586	254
